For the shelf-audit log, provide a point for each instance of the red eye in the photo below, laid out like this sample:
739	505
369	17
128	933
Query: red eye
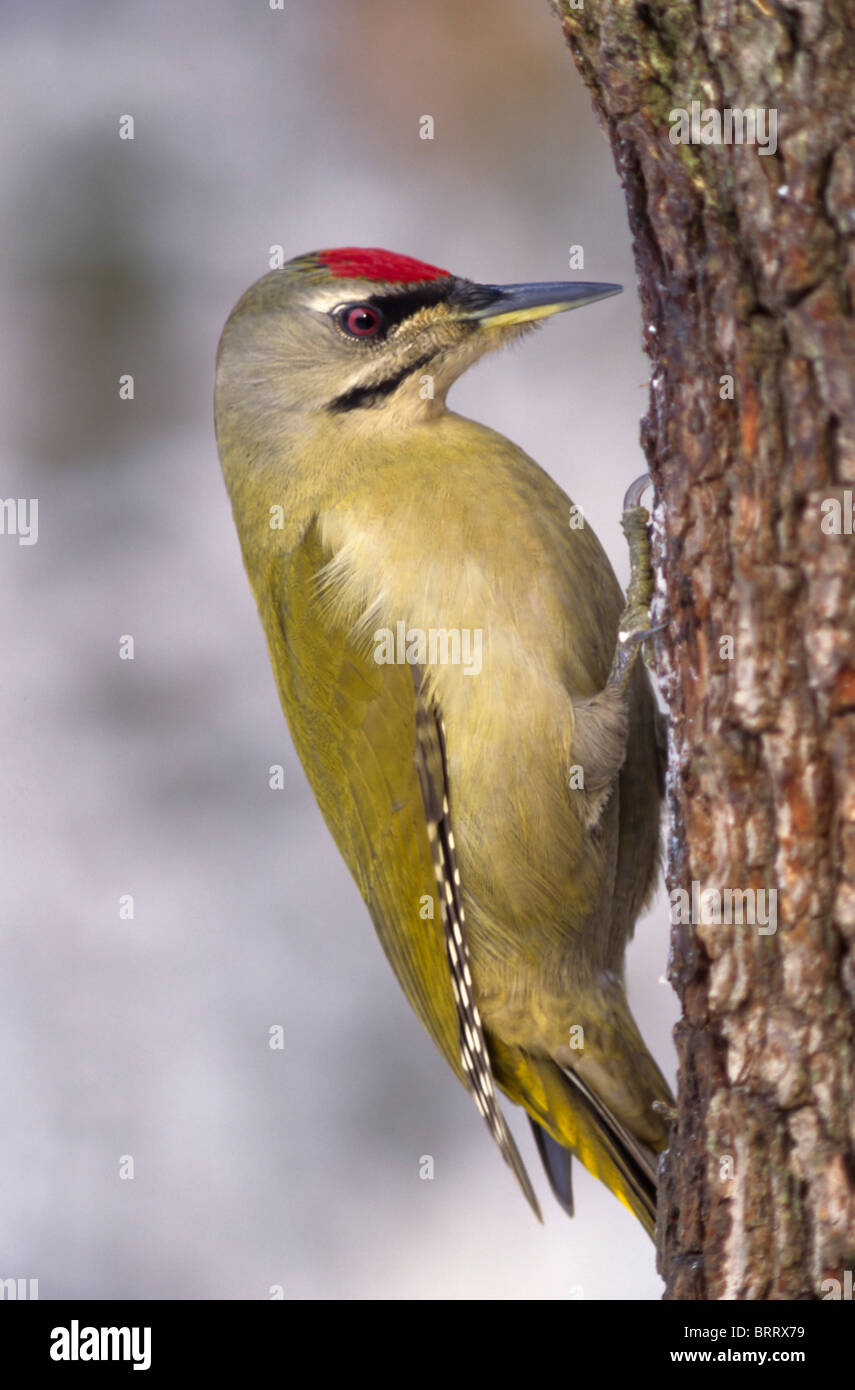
360	320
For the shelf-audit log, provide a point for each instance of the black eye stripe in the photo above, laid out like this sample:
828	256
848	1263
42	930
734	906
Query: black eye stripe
402	304
397	305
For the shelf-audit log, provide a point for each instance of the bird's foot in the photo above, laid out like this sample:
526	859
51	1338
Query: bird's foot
666	1110
634	628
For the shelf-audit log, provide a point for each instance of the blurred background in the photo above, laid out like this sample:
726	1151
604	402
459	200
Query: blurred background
148	1037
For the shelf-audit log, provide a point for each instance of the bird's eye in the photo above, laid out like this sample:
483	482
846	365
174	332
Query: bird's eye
360	320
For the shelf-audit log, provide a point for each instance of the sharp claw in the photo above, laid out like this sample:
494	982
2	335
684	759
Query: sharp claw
639	634
636	491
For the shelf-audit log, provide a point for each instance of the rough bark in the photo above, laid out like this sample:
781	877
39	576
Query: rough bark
746	268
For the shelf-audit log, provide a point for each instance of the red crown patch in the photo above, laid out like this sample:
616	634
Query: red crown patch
370	263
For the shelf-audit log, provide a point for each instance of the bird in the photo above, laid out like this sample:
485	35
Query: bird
499	814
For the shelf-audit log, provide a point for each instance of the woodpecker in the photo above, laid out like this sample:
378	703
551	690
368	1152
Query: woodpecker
502	822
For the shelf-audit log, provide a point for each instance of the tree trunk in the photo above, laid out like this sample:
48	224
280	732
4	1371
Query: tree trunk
746	268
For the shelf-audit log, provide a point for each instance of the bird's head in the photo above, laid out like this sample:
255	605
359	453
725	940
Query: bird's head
371	336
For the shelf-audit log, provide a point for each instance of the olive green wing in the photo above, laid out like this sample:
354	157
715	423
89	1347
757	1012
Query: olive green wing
354	727
373	750
640	793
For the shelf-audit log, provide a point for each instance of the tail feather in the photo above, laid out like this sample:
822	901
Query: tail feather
572	1120
636	1163
558	1165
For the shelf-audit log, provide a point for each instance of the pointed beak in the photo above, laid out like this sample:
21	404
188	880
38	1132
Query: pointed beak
495	306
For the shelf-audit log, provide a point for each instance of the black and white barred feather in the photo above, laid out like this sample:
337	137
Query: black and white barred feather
432	769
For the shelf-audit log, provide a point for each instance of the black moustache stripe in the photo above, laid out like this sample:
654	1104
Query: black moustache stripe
375	393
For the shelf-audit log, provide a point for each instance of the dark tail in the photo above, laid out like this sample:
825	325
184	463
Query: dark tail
558	1165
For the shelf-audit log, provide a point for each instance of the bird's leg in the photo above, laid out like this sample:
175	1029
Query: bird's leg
634	628
601	724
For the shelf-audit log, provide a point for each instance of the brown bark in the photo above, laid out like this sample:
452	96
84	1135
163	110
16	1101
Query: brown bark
746	268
